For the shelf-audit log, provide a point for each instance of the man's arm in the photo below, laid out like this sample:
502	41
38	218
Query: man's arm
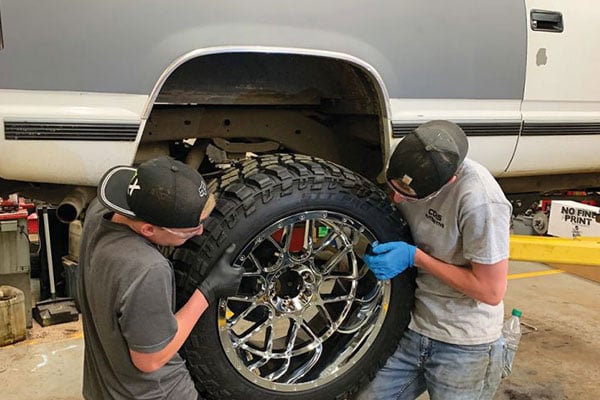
223	281
483	282
186	318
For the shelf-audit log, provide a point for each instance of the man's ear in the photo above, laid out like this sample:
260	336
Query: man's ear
452	179
147	230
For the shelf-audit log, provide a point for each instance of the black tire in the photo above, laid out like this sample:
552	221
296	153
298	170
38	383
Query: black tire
289	190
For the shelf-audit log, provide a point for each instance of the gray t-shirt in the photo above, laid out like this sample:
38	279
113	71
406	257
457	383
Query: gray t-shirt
468	221
126	296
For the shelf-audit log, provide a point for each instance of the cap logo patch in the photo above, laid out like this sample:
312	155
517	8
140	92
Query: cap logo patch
133	185
406	180
202	190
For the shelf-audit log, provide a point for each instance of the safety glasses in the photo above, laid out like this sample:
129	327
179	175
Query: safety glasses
408	194
186	233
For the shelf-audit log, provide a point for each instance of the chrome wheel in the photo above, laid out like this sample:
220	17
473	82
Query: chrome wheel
308	308
309	320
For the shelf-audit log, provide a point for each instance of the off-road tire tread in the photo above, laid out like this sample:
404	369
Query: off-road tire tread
240	192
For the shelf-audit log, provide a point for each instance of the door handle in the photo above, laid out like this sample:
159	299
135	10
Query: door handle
546	21
1	37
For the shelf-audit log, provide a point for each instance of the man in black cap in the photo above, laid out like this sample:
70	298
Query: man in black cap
127	288
460	222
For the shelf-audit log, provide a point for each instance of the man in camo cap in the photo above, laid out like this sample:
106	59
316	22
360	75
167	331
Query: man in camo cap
460	220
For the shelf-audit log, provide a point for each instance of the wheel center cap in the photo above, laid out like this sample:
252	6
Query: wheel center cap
291	289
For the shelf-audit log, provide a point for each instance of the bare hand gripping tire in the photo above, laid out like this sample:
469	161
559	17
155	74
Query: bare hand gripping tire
309	321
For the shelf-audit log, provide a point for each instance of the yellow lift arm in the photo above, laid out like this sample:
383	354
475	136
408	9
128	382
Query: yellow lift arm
579	251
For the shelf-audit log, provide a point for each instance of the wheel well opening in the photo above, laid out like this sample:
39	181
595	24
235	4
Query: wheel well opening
251	103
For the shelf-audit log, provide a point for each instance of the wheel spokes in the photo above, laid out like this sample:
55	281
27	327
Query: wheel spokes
303	285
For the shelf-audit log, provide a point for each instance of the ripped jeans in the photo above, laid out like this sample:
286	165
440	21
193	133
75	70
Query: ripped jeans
446	371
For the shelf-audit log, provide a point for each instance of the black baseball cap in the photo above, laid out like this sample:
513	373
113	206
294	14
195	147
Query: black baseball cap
426	159
162	191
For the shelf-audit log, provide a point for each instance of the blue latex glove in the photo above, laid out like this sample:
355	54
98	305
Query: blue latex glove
387	260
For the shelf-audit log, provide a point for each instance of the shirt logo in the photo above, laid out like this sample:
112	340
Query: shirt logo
434	217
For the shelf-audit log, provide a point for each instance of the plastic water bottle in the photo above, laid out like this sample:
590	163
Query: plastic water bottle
512	334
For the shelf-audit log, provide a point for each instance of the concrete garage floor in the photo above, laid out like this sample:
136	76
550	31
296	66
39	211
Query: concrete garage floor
46	366
559	354
557	359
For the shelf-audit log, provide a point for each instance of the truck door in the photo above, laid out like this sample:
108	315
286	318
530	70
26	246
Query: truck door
561	105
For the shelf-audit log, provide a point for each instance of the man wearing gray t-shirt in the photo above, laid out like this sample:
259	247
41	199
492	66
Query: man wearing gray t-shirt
126	286
460	222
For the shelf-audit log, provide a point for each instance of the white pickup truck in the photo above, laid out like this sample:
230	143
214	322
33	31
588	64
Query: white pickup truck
292	111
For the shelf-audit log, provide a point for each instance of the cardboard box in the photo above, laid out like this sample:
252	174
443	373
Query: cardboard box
571	219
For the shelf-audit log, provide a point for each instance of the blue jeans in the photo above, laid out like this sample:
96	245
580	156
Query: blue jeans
446	371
